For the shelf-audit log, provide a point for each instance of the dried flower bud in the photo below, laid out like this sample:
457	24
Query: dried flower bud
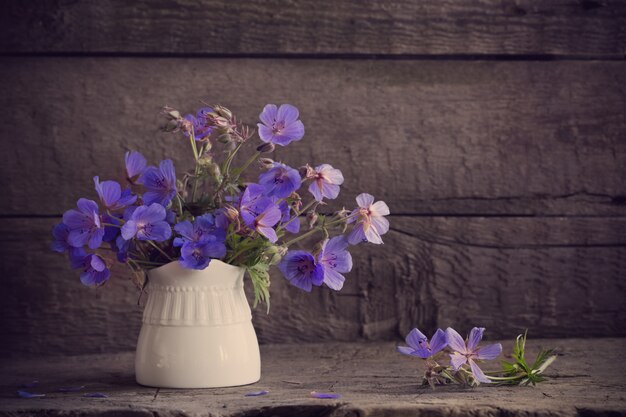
266	147
230	212
266	162
311	218
214	170
220	121
171	113
306	171
185	125
223	112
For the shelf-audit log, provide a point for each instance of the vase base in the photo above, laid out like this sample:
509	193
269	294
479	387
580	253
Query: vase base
197	356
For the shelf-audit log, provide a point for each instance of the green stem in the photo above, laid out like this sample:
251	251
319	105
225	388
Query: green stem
192	138
180	203
245	166
112	225
159	249
308	206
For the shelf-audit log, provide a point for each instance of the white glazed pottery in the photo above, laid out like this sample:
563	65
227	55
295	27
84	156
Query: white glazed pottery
197	329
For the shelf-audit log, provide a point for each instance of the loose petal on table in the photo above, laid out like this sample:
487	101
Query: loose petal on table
25	394
256	393
71	389
325	395
95	395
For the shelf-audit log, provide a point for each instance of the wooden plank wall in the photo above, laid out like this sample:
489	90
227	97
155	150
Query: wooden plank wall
494	129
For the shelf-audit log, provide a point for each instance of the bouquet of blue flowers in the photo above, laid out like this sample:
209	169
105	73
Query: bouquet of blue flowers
212	212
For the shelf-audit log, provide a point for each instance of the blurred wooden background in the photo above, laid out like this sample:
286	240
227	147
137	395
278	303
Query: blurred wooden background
494	129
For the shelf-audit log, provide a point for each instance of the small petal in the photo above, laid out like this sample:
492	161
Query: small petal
379	208
457	360
405	350
333	279
287	113
325	395
438	342
256	393
415	338
95	395
365	200
26	394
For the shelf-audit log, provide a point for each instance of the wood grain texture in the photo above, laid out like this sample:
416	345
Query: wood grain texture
372	379
555	276
587	28
478	138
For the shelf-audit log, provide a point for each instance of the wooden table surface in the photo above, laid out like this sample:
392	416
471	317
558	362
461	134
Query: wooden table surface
586	380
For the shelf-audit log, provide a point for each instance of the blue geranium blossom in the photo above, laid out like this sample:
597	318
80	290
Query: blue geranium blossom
160	183
280	125
84	225
201	128
301	270
147	223
280	181
335	259
200	241
420	346
135	165
94	270
112	196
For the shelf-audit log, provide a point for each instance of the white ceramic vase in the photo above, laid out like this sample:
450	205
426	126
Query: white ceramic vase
197	329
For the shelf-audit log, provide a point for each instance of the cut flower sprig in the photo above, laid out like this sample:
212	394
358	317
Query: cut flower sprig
221	210
465	355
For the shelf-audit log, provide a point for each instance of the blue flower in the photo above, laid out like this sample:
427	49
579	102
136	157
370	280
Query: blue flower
201	128
280	125
95	271
135	165
290	225
200	228
301	270
280	181
469	353
147	223
84	225
420	346
111	195
335	259
160	183
198	255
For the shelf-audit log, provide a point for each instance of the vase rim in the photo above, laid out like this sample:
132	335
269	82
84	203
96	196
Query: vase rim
169	265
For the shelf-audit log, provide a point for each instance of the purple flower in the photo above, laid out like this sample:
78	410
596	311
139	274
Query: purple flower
60	234
84	225
292	226
147	223
198	255
95	271
111	195
280	181
265	221
301	270
111	232
256	393
95	395
335	259
160	183
123	247
370	223
252	203
135	165
420	346
199	229
200	127
471	352
326	182
280	126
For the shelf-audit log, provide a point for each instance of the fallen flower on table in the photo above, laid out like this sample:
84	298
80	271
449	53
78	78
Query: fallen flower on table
256	393
25	394
95	395
325	395
464	356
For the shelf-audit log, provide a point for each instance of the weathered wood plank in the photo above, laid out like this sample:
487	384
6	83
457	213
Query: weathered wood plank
555	276
372	379
518	138
401	27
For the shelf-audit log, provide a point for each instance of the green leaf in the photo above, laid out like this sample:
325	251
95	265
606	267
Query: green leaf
260	277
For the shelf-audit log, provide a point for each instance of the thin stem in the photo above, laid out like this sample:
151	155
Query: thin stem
180	203
308	206
112	225
192	138
245	166
159	249
147	262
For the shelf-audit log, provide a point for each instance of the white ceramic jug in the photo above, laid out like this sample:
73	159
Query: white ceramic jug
197	329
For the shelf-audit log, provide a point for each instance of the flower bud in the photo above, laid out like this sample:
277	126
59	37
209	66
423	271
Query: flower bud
266	147
306	171
224	138
170	113
230	212
311	218
223	112
266	163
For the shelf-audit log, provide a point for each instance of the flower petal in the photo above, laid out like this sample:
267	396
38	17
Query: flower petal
269	114
357	235
129	229
325	395
405	350
365	200
268	232
26	394
489	352
478	373
475	336
287	114
380	224
457	360
379	208
333	279
415	337
455	341
438	342
371	234
256	393
95	395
